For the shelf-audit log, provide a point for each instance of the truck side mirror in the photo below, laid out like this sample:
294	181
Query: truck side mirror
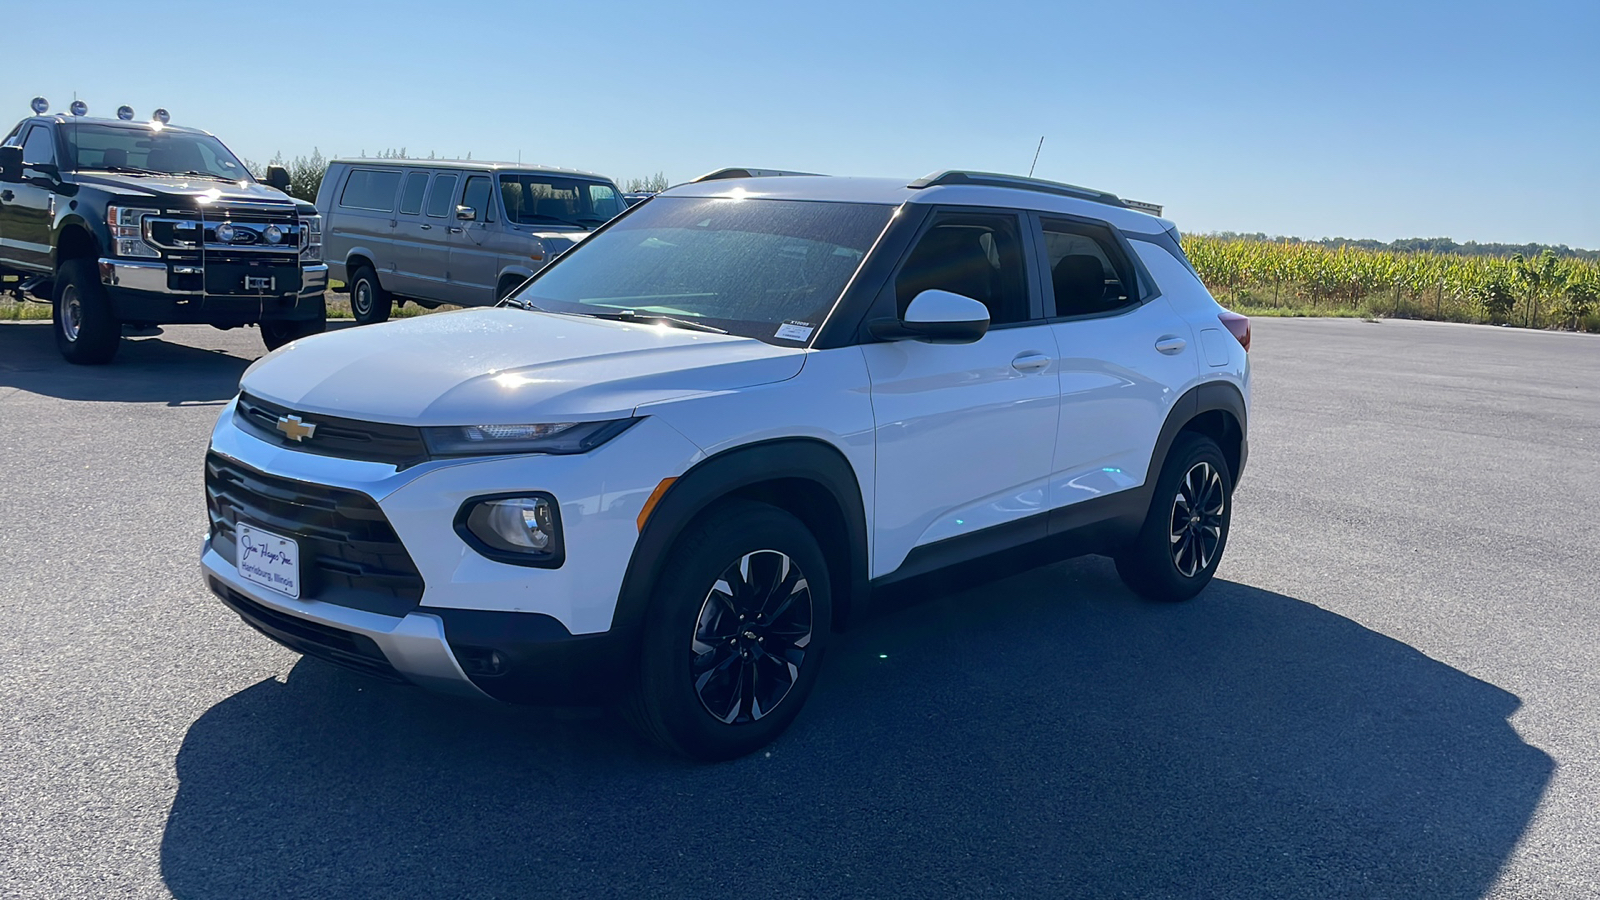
11	164
466	214
278	177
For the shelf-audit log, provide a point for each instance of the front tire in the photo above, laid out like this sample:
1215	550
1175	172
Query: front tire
734	635
86	326
276	334
1185	531
369	302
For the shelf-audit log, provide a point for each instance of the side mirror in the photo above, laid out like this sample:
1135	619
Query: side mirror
278	177
938	317
11	164
50	171
466	214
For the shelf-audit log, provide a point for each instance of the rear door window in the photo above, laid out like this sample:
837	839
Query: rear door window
411	197
1089	275
439	197
370	189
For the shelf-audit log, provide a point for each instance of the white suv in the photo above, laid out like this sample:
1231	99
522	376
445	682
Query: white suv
684	454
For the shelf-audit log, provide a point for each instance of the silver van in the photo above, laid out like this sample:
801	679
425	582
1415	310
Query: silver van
436	231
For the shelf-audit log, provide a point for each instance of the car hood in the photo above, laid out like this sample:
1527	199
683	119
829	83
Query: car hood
186	191
508	366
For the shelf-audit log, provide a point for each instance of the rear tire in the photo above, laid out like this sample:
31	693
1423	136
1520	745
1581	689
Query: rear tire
369	302
734	635
86	326
1186	529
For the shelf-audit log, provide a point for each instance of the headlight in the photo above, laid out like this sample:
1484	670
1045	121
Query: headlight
127	231
494	440
523	529
311	239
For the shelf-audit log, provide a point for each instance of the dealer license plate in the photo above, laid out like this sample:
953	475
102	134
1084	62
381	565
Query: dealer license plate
270	560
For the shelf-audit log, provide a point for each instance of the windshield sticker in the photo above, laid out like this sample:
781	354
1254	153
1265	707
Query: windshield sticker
795	331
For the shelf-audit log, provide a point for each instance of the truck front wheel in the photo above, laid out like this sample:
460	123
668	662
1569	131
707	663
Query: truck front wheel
87	330
276	334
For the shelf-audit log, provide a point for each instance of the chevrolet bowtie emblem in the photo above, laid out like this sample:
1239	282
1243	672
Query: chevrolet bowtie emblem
296	429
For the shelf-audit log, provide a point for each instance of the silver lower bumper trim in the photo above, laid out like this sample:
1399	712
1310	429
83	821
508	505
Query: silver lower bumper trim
415	645
137	276
152	277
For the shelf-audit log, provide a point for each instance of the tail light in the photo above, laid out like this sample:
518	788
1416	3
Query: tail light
1238	326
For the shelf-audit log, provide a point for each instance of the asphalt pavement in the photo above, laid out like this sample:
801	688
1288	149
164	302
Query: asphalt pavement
1392	690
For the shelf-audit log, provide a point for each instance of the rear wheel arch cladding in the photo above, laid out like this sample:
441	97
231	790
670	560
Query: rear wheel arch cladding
1221	401
757	472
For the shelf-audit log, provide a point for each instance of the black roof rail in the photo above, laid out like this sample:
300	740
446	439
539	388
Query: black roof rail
742	172
995	179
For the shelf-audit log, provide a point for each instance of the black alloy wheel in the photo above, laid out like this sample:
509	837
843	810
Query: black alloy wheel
1185	531
732	641
1195	527
751	638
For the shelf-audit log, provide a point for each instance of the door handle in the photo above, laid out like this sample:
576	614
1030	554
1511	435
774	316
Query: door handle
427	227
1171	344
455	229
1030	362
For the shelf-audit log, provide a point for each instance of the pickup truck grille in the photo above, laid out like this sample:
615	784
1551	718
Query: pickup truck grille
349	553
400	446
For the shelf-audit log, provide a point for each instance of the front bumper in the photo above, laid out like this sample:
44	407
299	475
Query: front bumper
152	292
480	627
527	658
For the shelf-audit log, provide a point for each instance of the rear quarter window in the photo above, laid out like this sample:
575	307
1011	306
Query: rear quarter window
370	189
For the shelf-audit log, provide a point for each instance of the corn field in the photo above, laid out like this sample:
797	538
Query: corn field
1266	277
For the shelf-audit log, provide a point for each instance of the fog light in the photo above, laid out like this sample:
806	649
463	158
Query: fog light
523	530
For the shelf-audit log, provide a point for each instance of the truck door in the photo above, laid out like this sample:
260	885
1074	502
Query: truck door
26	207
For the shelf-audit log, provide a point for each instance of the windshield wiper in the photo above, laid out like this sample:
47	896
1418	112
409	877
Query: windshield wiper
211	175
524	219
632	316
126	170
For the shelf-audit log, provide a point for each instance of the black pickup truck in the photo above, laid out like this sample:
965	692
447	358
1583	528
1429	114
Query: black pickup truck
122	223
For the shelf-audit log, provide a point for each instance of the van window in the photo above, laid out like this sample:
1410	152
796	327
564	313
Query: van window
476	195
416	187
538	199
444	190
370	189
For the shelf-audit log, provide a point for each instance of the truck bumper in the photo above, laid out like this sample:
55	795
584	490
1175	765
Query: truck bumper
143	292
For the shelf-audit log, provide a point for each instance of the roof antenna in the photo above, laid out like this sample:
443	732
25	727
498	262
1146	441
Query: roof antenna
1036	155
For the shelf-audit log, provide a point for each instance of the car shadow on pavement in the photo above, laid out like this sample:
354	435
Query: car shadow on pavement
1043	735
145	370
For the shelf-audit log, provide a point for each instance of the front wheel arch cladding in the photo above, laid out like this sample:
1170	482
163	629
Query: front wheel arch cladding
742	471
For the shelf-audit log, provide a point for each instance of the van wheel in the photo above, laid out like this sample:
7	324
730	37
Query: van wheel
734	635
369	302
1186	529
87	330
507	285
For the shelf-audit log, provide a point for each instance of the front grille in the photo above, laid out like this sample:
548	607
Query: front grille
398	445
349	554
342	648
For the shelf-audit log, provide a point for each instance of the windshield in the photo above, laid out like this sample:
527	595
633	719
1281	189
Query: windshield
149	150
767	269
537	199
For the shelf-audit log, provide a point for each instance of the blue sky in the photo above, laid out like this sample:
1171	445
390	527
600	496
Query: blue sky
1477	121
